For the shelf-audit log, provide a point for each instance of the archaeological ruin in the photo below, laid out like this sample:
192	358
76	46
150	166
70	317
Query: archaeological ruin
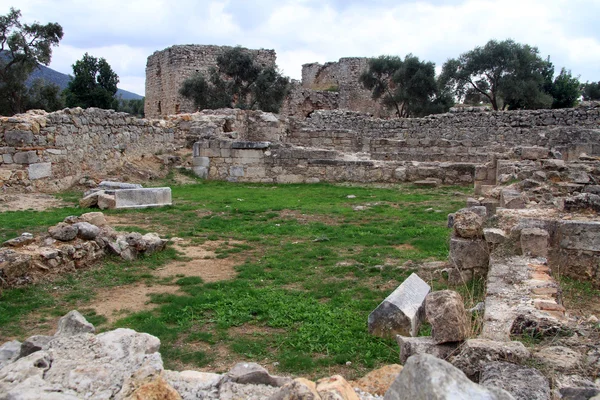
532	217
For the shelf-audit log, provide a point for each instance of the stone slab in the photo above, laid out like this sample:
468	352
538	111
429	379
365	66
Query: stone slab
250	145
110	185
39	170
141	198
402	311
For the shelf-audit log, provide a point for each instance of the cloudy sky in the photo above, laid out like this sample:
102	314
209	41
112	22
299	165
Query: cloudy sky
126	32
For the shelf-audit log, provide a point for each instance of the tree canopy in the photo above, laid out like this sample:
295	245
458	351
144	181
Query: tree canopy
509	75
408	86
94	84
591	91
22	48
238	81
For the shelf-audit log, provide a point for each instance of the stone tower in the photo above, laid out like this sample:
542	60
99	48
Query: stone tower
167	69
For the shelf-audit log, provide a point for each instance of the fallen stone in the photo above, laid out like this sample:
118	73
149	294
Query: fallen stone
106	201
111	185
194	384
534	242
579	393
298	389
402	311
410	346
426	183
34	343
513	199
494	235
445	311
156	389
73	324
63	232
141	198
553	164
9	352
252	373
378	381
87	231
335	388
475	353
23	240
90	200
559	358
467	224
521	382
466	254
94	218
427	377
237	391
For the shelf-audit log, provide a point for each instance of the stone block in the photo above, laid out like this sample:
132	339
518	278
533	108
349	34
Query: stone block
289	178
468	253
7	159
402	312
426	183
201	172
18	138
250	145
39	170
5	174
534	153
490	206
141	198
494	235
236	171
520	381
445	311
468	224
26	157
427	377
201	162
410	346
471	202
579	235
110	185
534	242
513	199
476	353
400	174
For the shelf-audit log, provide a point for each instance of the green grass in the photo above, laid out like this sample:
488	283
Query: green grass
306	280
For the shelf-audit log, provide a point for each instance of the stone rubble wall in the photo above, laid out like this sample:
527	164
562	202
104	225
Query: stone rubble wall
301	102
167	69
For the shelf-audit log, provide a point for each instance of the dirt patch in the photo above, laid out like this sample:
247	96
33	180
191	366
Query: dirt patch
405	247
250	330
306	218
202	262
115	303
29	201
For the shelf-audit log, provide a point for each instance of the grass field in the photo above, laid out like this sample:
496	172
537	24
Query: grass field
311	262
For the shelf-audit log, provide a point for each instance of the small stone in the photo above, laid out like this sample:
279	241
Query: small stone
73	324
87	231
94	218
351	196
494	235
468	224
335	388
446	313
378	381
156	389
252	373
106	201
33	344
298	389
23	240
521	382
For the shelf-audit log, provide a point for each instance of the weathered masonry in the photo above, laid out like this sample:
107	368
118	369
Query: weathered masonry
167	69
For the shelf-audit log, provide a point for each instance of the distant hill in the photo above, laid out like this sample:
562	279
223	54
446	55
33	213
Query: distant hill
62	80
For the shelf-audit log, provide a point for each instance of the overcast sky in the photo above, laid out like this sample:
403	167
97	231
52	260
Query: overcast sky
126	32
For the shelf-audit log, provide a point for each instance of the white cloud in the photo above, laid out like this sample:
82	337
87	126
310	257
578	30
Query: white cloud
305	31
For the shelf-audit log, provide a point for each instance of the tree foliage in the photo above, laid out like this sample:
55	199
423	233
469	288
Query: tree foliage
565	90
591	91
132	106
94	84
238	81
44	96
409	86
22	48
508	74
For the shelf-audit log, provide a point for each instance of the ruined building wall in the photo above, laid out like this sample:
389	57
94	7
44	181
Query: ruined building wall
167	69
343	76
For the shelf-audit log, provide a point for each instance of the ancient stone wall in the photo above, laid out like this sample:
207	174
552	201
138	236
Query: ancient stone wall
167	69
343	77
301	102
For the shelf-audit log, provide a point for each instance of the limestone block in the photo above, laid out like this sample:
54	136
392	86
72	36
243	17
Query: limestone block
494	235
106	201
521	382
334	388
468	224
141	198
427	377
468	253
201	172
400	174
63	232
26	157
534	153
95	218
378	381
39	170
471	202
445	311
201	162
250	145
534	242
409	346
513	199
18	138
110	185
289	178
73	323
299	388
7	159
402	312
87	231
475	353
9	352
490	206
579	235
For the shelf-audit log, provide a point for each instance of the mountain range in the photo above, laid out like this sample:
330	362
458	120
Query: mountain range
62	80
